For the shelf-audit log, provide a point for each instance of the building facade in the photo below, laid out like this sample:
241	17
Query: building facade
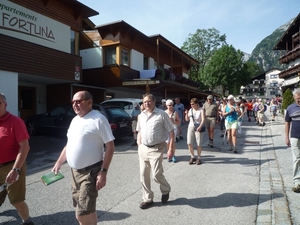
266	86
122	59
40	64
290	44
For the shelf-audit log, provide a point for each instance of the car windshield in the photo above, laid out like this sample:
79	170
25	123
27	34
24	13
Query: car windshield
63	111
122	104
116	112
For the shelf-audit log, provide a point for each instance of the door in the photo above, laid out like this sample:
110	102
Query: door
27	105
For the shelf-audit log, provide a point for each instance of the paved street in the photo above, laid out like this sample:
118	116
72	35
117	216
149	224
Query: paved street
251	187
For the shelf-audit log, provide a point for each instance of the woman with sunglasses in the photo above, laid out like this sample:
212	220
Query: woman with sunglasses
175	120
231	112
196	116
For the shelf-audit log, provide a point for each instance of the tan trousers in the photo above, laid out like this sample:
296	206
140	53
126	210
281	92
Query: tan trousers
151	160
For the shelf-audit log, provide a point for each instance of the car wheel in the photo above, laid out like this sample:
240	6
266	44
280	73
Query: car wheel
32	128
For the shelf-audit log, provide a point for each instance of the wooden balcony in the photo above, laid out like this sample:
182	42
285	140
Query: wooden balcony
290	71
291	55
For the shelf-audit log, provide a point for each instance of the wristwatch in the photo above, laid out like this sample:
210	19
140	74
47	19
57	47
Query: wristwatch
103	170
17	170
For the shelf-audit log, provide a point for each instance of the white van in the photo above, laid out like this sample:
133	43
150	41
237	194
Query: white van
124	103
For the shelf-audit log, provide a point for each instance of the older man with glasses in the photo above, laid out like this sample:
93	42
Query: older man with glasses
154	127
89	131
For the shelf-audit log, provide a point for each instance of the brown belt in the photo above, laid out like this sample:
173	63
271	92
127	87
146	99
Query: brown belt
6	163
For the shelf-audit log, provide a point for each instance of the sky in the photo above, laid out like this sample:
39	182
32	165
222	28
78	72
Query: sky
244	22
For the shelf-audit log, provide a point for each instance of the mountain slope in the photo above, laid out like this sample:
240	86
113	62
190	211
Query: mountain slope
264	55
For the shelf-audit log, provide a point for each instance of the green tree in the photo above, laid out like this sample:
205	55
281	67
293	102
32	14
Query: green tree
201	46
227	69
287	99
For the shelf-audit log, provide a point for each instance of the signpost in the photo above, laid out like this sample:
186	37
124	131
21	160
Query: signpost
146	82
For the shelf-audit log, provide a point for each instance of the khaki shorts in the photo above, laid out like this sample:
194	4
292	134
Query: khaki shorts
133	125
192	135
260	115
15	192
231	125
210	122
84	192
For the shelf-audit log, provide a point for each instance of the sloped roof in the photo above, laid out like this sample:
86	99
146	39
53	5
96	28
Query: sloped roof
165	45
79	8
287	36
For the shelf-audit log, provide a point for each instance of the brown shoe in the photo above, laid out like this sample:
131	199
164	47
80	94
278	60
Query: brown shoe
198	161
192	160
146	205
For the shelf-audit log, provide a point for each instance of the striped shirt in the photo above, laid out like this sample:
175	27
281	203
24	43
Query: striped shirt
155	128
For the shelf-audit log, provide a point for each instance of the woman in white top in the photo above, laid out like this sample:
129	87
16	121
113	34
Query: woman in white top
196	116
175	120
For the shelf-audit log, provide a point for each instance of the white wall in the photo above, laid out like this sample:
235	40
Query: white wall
9	87
136	60
151	64
92	58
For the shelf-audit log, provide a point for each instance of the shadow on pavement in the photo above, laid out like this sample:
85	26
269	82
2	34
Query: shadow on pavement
61	218
224	200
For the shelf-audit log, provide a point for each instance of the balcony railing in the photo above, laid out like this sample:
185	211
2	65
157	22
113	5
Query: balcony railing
291	55
290	71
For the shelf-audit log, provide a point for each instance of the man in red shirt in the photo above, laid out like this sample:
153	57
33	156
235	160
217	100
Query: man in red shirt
13	153
249	106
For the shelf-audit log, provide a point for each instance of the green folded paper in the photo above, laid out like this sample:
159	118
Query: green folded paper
50	178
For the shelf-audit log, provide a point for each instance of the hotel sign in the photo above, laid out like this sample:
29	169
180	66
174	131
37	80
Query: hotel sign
22	23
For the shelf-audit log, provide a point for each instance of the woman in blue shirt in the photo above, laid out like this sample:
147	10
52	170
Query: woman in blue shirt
231	112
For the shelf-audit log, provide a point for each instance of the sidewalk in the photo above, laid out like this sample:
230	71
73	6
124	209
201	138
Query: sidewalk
251	187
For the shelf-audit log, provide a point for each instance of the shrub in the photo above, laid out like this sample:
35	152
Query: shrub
287	100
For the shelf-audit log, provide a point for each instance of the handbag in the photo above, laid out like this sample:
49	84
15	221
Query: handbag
196	125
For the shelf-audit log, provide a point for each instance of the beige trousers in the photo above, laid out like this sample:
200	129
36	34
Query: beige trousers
150	159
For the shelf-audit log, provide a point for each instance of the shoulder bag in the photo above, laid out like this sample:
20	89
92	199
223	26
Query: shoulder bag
196	125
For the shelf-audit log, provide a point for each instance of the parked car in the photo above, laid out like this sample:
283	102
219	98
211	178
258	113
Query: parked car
57	121
124	103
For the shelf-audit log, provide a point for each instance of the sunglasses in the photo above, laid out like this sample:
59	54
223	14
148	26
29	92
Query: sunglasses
78	101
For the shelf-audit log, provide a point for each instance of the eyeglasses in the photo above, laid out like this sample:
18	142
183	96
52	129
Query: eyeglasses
78	101
147	102
169	105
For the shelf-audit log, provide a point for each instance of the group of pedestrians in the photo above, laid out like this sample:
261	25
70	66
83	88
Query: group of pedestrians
90	147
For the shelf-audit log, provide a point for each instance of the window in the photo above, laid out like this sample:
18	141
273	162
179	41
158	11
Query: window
74	42
110	56
124	57
146	63
274	76
273	92
273	84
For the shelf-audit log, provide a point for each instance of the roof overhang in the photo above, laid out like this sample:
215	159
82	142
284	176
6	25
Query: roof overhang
287	35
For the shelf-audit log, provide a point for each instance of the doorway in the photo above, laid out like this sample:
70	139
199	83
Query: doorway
27	106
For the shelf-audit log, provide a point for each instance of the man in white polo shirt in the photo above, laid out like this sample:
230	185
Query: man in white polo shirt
154	127
87	134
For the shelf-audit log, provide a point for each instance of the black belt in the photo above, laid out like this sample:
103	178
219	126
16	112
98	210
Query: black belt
210	116
149	146
90	167
6	163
